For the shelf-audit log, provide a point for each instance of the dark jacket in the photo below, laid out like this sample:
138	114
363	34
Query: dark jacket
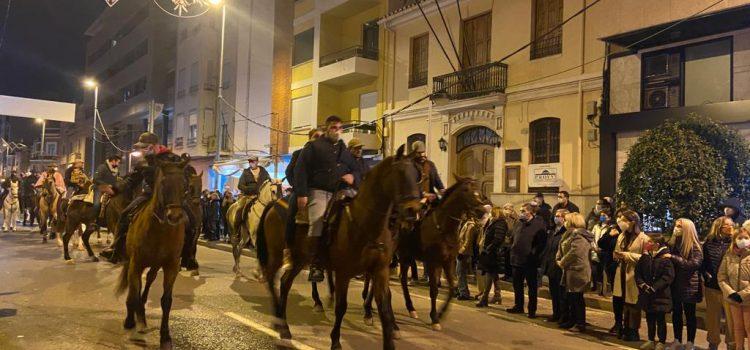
66	177
321	165
687	286
248	185
713	253
549	265
289	172
570	207
490	258
607	244
27	185
104	176
362	168
658	273
433	178
144	172
529	243
545	211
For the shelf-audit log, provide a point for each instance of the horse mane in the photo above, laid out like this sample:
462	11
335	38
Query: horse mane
461	181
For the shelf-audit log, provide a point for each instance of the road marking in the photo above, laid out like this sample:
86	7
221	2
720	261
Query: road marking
270	332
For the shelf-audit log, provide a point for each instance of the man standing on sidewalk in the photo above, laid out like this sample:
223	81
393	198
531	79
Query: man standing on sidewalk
525	257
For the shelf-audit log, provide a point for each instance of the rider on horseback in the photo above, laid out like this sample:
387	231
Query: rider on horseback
75	179
249	185
429	180
144	175
322	167
105	179
11	187
58	180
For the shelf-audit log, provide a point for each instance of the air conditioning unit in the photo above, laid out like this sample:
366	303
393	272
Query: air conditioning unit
661	97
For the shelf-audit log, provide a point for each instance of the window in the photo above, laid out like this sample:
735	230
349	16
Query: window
547	14
301	112
367	103
302	51
50	149
194	75
211	77
477	40
370	35
544	141
418	61
181	82
192	127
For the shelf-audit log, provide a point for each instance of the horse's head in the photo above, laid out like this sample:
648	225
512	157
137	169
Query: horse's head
464	196
195	182
399	180
170	188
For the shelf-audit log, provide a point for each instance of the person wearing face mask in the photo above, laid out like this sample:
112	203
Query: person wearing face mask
573	258
525	257
511	218
717	243
654	274
628	250
563	202
554	272
598	262
324	166
592	219
249	184
734	281
732	208
687	256
105	179
490	261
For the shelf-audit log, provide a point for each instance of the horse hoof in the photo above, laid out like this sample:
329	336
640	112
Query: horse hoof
70	261
414	315
318	308
437	327
94	259
397	335
194	273
368	321
336	347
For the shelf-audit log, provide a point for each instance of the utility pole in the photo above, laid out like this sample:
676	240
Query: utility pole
219	95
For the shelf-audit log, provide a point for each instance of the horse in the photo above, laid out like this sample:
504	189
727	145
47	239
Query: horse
155	239
189	250
434	241
246	234
11	207
48	196
360	243
79	212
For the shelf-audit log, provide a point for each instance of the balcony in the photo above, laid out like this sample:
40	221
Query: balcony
365	132
349	66
471	82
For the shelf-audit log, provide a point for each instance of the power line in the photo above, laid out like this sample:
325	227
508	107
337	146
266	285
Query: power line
98	117
435	34
450	37
256	123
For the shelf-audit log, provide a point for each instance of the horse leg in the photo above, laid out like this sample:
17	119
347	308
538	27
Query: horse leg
286	281
404	273
85	238
134	278
383	299
150	277
341	290
318	305
370	288
170	274
434	273
69	229
134	289
330	287
449	266
366	288
236	252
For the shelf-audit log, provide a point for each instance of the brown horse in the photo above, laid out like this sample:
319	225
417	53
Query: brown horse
361	243
48	196
155	239
76	214
434	241
189	251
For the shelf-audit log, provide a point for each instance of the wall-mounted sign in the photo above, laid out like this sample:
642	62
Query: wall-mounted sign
545	175
479	135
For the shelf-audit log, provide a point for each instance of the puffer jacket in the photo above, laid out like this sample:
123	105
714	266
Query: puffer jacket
734	275
573	258
713	253
687	286
656	272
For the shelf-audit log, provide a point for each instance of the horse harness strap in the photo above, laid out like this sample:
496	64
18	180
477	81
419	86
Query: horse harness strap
437	224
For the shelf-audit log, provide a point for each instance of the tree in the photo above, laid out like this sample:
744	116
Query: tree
672	172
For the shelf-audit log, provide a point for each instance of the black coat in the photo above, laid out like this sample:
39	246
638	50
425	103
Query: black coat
104	176
27	185
491	259
320	165
607	244
549	263
658	273
144	172
545	211
687	286
289	172
433	178
529	243
571	207
713	253
248	184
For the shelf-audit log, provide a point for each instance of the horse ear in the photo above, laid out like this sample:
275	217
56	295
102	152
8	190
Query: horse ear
400	152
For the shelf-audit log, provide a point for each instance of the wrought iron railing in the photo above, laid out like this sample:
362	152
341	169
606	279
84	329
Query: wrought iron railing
471	82
360	126
354	51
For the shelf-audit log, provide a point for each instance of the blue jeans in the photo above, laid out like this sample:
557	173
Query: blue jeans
462	268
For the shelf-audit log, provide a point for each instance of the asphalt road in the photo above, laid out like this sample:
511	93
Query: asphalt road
47	304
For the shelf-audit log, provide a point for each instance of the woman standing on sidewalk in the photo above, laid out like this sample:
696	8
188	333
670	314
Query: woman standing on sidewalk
490	257
627	252
717	243
687	256
573	259
734	280
606	248
511	218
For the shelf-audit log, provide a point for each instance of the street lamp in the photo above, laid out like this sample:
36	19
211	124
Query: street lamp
443	144
44	129
92	84
220	89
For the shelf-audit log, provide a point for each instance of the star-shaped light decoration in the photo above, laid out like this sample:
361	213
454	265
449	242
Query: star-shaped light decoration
182	5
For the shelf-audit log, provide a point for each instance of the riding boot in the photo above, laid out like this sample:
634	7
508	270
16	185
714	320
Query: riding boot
316	269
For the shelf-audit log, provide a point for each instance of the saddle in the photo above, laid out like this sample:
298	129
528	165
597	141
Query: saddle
246	209
337	208
87	197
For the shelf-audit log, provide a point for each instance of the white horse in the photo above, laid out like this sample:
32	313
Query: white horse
11	207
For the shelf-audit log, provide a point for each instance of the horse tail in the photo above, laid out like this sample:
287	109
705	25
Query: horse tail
260	244
122	285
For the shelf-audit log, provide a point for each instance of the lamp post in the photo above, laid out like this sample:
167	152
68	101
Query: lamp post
219	94
92	84
44	131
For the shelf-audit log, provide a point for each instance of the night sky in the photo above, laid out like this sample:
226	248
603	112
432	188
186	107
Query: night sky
43	53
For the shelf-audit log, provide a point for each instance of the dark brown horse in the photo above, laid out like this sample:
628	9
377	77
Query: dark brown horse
155	239
189	251
434	241
76	214
361	243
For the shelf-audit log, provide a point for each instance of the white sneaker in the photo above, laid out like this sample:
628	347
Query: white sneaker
689	346
649	345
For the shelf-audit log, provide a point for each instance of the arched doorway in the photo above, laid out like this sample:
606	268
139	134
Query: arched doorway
475	151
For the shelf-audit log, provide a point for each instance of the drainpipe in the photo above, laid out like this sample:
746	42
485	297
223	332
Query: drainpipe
580	100
391	36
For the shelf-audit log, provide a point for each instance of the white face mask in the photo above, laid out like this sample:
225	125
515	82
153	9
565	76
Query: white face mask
743	243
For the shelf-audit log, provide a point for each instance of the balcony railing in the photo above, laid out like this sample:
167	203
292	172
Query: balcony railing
354	51
471	82
359	126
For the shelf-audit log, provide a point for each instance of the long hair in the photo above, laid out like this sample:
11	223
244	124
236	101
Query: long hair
737	232
689	237
635	229
715	231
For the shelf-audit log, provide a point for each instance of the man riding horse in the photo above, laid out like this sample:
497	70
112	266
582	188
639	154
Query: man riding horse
11	187
323	166
143	175
75	179
59	182
249	184
430	184
105	179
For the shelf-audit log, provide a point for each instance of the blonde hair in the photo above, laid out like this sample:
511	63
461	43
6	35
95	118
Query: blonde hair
737	233
574	220
497	213
715	230
689	237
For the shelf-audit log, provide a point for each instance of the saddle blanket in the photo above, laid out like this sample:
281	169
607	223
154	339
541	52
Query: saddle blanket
85	197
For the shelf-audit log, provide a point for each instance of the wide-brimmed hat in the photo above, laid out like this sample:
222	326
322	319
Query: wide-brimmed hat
146	139
355	143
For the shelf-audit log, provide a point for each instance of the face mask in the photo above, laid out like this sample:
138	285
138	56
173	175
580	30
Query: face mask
623	225
559	221
677	231
561	200
728	211
602	219
743	243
